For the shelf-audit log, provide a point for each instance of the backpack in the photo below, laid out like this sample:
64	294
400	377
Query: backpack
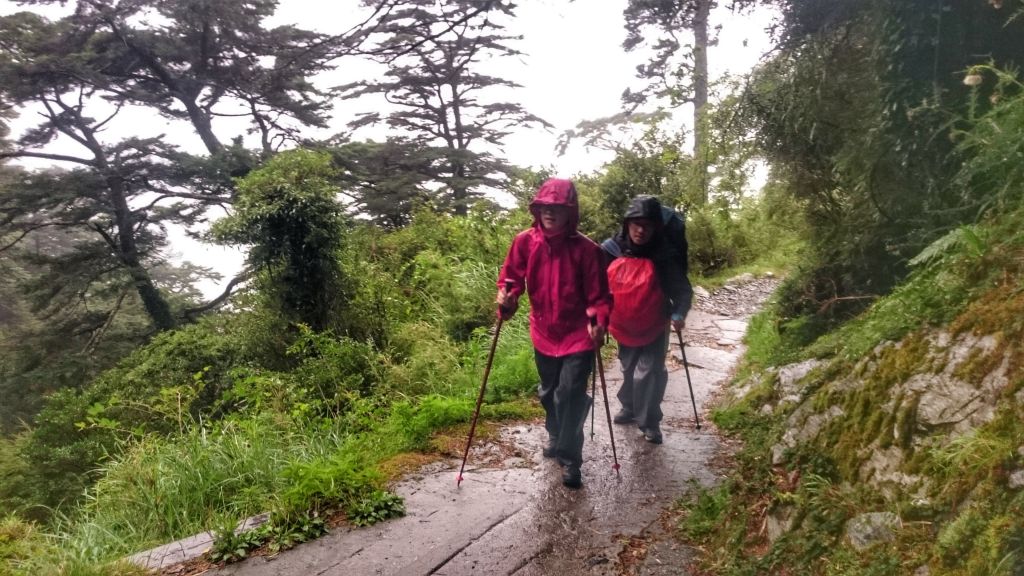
675	235
674	231
638	303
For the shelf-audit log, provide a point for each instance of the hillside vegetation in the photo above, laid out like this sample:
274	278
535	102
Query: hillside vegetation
893	443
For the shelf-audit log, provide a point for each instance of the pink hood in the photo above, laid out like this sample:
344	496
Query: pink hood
559	192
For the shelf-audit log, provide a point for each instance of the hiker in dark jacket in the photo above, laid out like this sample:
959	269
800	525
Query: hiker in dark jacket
563	273
648	281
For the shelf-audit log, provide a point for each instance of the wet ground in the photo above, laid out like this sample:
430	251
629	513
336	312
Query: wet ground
512	516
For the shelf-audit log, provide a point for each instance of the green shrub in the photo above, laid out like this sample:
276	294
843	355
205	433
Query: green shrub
230	544
20	541
514	377
175	380
415	423
283	534
704	514
329	482
956	539
333	370
15	491
423	361
287	212
375	507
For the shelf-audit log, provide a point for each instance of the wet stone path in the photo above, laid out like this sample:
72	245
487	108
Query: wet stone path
512	516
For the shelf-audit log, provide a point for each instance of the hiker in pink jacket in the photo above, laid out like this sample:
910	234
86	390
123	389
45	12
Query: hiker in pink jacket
562	271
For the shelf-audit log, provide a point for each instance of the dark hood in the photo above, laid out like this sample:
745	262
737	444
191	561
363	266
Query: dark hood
640	207
561	192
643	207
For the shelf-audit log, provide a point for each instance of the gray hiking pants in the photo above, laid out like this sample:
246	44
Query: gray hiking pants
644	378
563	393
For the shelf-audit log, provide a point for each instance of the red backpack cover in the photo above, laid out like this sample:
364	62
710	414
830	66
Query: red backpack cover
638	304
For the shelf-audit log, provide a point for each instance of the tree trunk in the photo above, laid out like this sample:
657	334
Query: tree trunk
201	122
124	245
700	91
127	251
460	191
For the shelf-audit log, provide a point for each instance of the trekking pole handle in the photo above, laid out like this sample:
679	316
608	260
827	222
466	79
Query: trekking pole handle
593	322
509	284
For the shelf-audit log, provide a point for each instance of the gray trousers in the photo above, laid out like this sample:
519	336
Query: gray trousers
563	393
644	378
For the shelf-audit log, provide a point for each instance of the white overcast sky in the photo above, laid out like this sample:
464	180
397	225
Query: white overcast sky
573	69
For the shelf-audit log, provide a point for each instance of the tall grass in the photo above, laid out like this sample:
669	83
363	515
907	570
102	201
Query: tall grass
164	489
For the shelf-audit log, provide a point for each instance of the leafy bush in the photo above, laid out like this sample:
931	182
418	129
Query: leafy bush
440	270
285	534
711	241
992	172
163	387
705	513
15	492
287	212
332	370
230	544
332	481
514	377
375	507
422	361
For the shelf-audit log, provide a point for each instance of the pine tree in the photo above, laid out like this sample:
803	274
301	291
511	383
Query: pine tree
431	51
205	60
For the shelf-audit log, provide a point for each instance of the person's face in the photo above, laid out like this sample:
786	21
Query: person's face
641	230
553	217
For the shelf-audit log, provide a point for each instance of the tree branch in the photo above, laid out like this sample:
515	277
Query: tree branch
31	229
47	156
94	340
191	313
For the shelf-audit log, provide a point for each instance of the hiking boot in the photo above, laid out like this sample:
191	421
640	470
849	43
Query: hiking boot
551	450
572	478
653	434
623	417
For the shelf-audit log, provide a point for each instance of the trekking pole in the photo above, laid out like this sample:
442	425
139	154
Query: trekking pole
593	394
686	367
483	387
607	410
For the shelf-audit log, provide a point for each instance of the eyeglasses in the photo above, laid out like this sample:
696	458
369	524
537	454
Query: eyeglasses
551	208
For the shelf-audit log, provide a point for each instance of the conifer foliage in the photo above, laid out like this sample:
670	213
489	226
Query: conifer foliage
432	53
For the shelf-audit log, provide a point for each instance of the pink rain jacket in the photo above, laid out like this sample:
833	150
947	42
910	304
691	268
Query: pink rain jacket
563	274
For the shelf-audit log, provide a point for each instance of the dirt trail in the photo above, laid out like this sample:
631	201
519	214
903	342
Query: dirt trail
513	516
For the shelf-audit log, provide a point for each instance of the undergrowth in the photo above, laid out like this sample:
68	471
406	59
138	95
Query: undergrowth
968	520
